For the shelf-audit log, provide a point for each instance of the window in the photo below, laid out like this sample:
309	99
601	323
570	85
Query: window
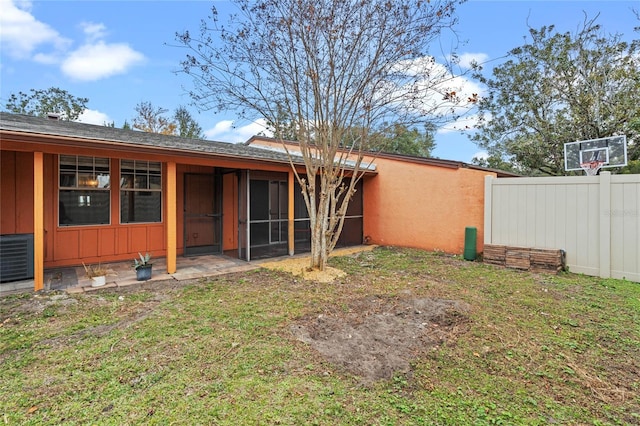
140	191
84	194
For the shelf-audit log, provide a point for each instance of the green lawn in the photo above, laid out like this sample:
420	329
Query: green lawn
532	349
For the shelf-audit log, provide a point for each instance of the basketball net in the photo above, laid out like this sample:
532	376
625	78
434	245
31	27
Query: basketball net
591	168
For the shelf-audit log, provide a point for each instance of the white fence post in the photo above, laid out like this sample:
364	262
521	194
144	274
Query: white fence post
605	224
487	208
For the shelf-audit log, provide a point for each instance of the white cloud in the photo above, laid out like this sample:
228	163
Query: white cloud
436	91
47	58
21	33
97	59
221	128
93	62
24	37
446	96
90	116
93	31
226	131
244	133
467	60
482	155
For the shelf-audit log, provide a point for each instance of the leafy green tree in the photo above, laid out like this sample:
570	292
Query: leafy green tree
334	66
495	162
47	101
126	125
632	168
187	127
282	126
399	139
558	88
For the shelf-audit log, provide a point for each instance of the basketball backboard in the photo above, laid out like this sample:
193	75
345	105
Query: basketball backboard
609	152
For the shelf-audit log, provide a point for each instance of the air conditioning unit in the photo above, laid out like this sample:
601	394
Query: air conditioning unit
16	257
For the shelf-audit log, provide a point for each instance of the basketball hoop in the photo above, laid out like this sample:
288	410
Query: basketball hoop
591	168
595	154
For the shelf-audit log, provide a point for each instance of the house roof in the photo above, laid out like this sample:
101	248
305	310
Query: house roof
450	164
130	138
443	163
133	138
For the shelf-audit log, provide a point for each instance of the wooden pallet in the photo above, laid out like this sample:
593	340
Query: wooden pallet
546	260
518	258
494	255
525	258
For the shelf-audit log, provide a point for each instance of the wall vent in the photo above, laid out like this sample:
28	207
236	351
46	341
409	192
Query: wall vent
16	257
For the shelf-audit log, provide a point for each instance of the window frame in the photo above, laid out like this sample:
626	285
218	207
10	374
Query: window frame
137	187
92	183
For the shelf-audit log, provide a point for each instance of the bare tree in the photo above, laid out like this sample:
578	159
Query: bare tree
340	69
151	119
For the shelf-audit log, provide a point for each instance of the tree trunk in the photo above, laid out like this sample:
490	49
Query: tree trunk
319	226
316	247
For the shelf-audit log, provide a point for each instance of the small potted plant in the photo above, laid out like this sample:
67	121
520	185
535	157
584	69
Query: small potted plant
97	274
142	267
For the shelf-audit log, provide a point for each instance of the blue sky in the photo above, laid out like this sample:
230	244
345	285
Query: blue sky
120	53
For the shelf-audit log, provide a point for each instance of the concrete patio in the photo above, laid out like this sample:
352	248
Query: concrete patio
122	274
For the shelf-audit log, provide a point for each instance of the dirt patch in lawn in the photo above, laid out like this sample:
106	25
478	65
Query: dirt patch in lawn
376	338
373	337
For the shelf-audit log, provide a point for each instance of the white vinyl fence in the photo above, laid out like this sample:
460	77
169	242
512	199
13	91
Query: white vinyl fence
596	220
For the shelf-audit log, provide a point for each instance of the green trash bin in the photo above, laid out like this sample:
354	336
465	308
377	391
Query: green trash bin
470	237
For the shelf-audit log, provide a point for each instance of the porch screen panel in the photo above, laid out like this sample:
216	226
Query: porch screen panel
301	225
243	212
259	212
268	221
352	229
278	211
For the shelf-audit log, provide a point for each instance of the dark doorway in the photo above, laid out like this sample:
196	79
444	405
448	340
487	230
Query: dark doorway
202	214
352	230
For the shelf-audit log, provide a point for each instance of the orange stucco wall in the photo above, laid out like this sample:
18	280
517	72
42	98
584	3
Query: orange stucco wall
413	204
423	206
